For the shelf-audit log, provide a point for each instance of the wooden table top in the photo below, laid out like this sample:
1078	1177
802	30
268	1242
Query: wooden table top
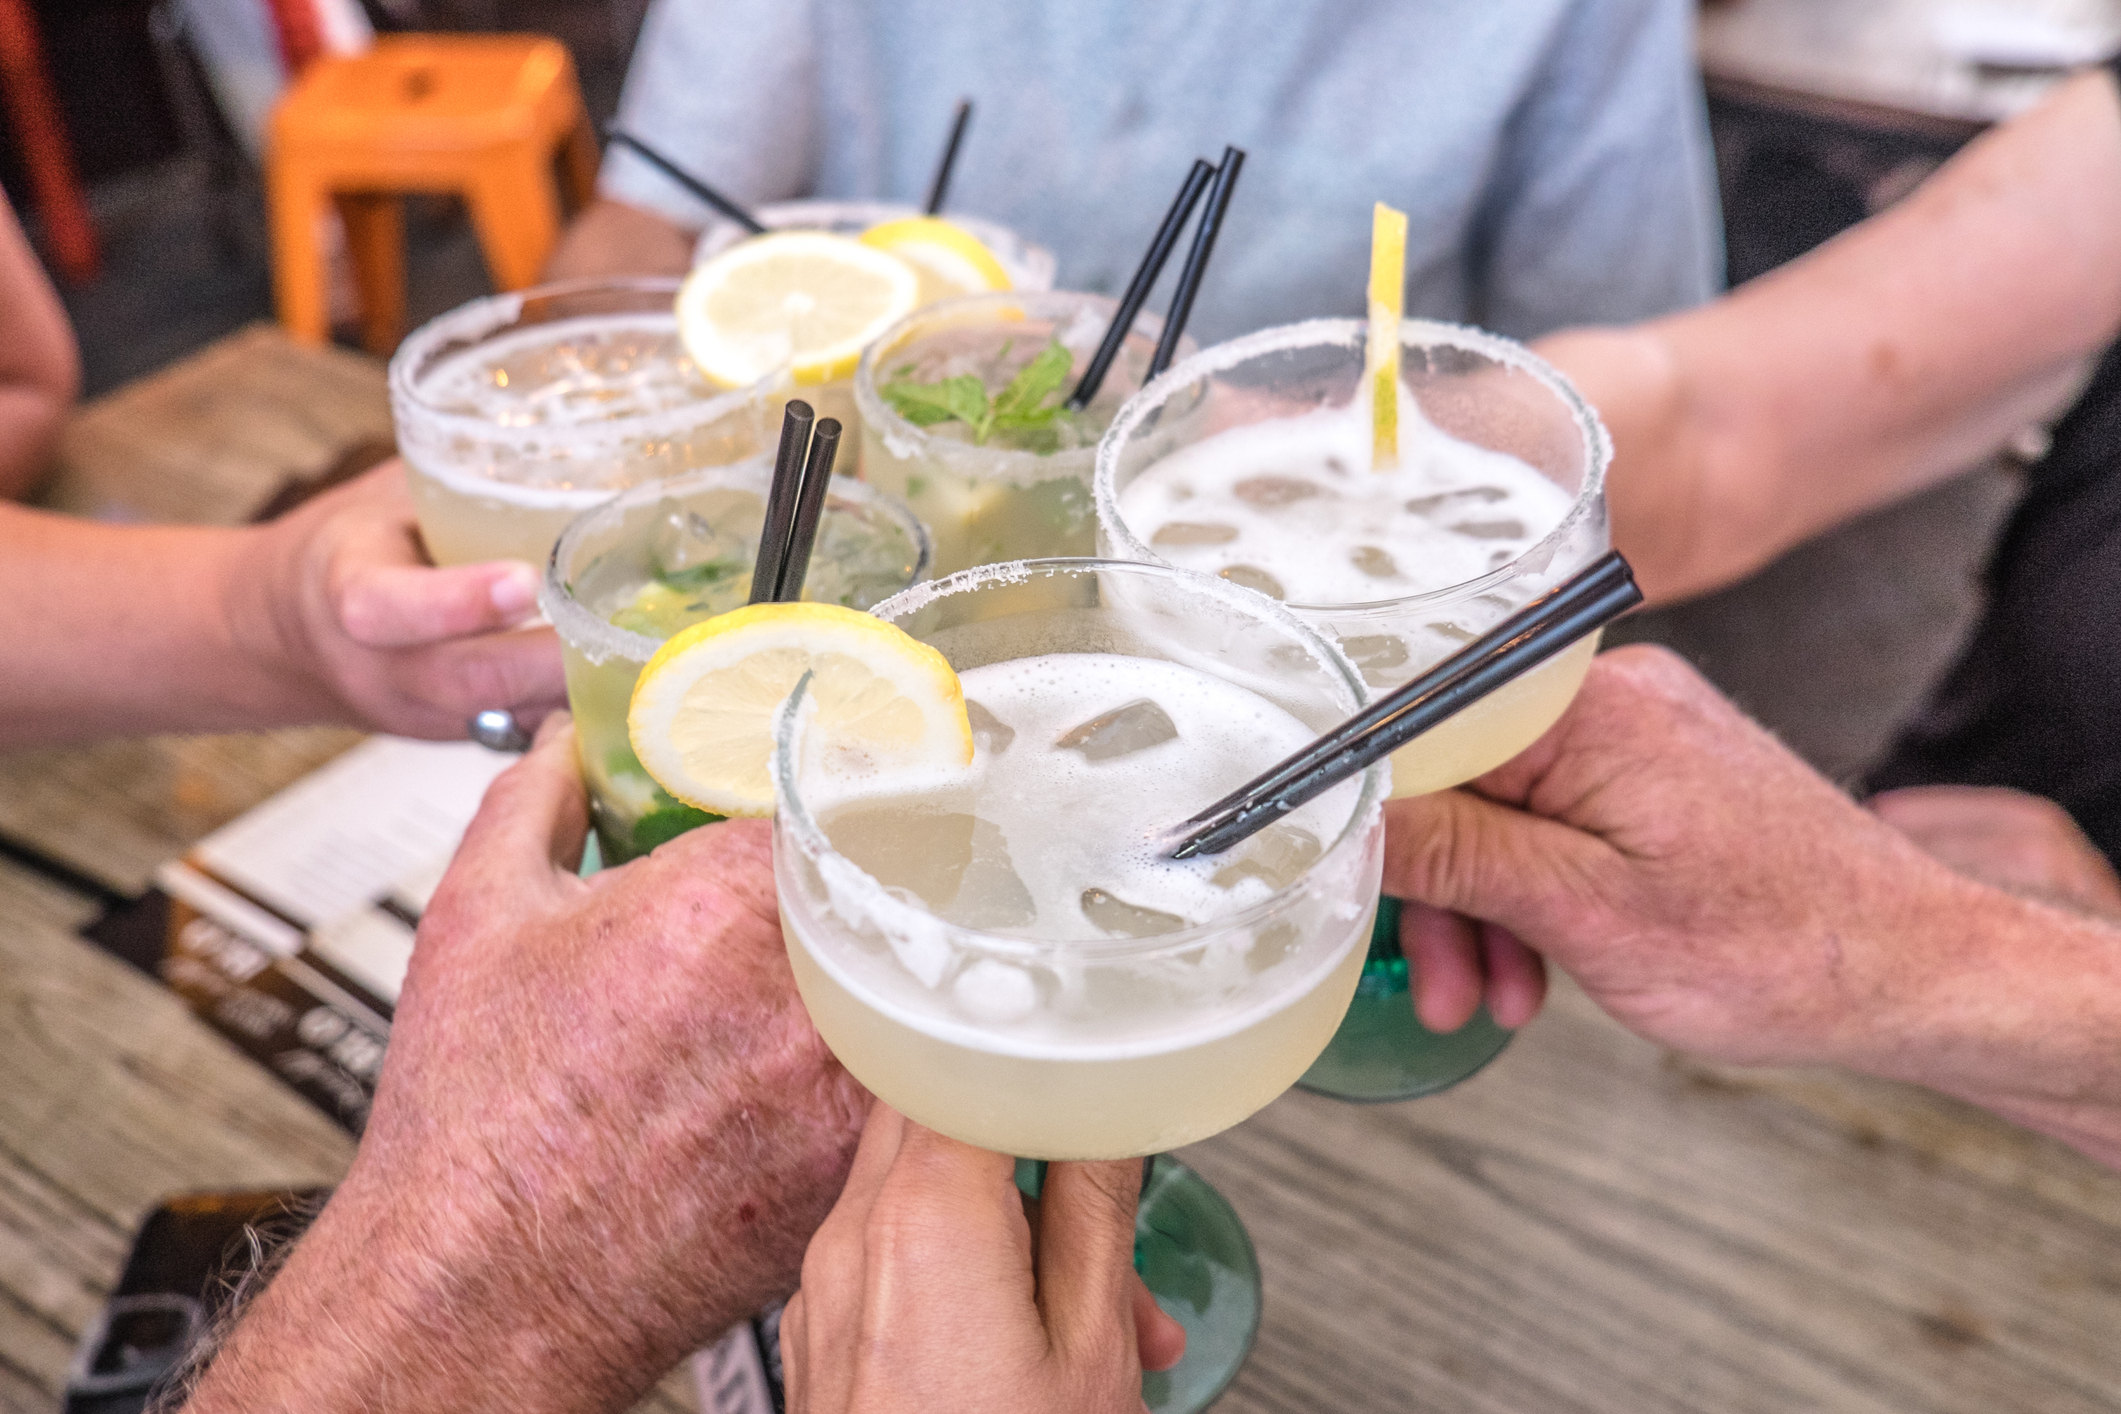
1592	1224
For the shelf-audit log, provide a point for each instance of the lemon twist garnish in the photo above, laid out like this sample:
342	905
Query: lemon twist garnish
702	715
1388	284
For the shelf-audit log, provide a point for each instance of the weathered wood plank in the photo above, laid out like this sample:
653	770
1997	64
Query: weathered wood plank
115	810
1593	1226
210	439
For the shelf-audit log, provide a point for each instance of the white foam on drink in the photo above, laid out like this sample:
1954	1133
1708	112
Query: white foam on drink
568	373
1296	498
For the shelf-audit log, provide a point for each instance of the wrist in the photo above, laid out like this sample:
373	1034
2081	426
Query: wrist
257	599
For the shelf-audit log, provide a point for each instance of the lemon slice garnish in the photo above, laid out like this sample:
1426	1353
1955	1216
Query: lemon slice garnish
949	259
703	709
1388	287
804	299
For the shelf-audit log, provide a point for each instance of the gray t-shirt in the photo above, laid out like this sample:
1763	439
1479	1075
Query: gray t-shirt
1552	155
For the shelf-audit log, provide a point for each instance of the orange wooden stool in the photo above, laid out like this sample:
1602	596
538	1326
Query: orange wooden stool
483	116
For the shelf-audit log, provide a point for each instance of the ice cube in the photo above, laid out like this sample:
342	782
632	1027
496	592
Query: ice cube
924	852
990	894
994	991
1490	529
1453	632
1378	657
683	540
1127	920
1253	578
989	733
1135	726
1276	856
1270	492
1478	495
1374	561
1186	532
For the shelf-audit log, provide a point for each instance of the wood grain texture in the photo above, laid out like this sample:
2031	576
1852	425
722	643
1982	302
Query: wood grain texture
211	438
1595	1225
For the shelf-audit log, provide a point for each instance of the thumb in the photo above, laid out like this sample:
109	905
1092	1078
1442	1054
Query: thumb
530	826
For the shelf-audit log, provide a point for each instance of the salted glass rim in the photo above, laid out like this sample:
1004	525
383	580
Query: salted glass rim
590	633
795	816
889	423
477	320
1596	442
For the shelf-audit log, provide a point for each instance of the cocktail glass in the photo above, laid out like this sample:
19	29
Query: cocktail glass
1029	268
1469	386
629	573
518	412
1016	496
1036	1041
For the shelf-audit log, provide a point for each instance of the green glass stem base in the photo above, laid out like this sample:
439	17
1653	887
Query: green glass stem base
1195	1258
1380	1051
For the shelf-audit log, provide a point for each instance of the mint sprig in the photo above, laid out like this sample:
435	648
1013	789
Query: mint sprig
1020	407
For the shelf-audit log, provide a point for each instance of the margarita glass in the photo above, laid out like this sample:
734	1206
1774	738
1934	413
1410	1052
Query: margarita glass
1498	496
1003	954
633	571
517	412
1029	268
1018	495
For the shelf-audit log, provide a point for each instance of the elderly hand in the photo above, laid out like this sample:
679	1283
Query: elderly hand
929	1290
337	599
1715	894
604	1132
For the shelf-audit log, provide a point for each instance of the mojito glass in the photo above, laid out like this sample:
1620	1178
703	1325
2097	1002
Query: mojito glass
518	412
628	574
1010	494
1498	495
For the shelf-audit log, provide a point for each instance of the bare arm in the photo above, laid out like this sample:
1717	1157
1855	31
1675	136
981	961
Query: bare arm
40	369
328	614
1895	355
613	238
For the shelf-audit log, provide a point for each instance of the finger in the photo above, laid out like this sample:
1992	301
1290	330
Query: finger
1157	1334
1086	1279
1456	851
530	825
836	1267
1443	954
795	1357
1517	977
396	605
443	684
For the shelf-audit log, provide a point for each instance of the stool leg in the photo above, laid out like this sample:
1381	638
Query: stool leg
578	163
297	202
375	238
516	212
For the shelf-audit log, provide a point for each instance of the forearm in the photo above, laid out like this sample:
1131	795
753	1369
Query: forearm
1895	355
116	629
613	238
2011	1004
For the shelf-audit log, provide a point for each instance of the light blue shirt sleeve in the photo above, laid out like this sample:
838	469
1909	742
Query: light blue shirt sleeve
1606	209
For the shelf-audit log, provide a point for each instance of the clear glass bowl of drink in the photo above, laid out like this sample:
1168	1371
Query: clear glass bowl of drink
1498	495
1009	493
518	412
631	572
1002	953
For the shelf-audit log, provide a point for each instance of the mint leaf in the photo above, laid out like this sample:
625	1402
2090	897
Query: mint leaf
1021	404
961	399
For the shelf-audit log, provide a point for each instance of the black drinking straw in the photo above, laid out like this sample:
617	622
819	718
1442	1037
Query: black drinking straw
781	499
686	180
802	536
940	187
1211	223
1145	274
1571	611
